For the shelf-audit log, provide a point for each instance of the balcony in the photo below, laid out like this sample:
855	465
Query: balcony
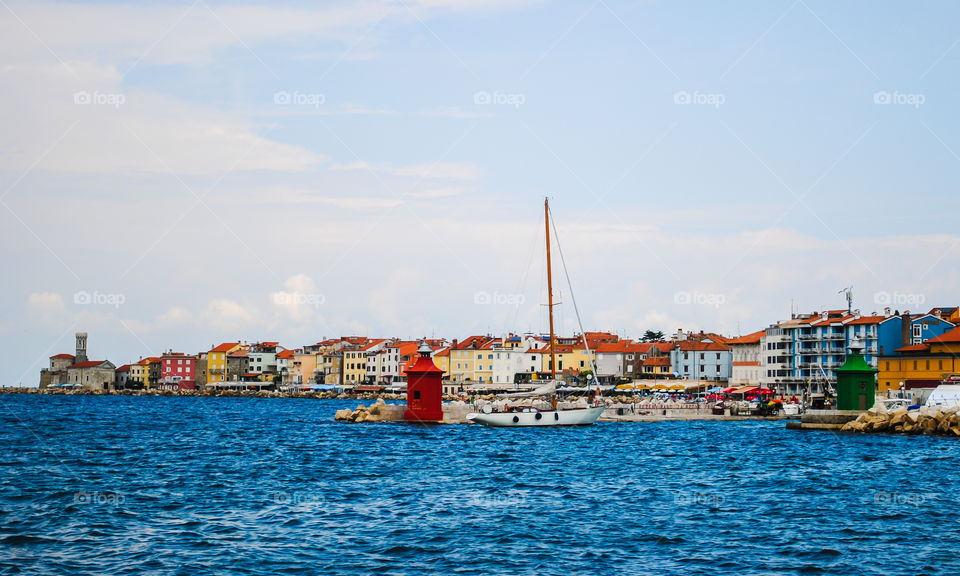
807	337
809	351
833	336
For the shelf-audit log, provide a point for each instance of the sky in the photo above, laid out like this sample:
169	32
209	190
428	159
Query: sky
177	175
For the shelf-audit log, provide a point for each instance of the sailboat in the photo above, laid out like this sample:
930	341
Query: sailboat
528	416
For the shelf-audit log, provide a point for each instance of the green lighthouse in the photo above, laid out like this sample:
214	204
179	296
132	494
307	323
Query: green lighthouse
856	382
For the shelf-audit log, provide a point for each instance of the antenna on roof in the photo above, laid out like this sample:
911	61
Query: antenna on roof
849	292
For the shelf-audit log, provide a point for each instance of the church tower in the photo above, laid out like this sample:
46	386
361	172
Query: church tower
81	355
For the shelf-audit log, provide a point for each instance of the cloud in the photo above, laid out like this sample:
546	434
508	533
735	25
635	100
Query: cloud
437	193
299	301
278	195
89	121
441	170
226	314
47	306
435	170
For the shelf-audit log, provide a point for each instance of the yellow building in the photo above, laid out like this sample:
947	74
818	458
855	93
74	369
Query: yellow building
923	365
572	358
355	361
303	370
140	372
217	361
442	360
463	358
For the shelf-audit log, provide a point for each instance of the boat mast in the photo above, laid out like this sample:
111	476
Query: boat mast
553	351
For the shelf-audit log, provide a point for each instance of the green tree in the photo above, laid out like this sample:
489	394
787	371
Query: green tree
651	336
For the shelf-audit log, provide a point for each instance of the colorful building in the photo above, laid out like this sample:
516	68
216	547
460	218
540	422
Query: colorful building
920	366
177	371
217	361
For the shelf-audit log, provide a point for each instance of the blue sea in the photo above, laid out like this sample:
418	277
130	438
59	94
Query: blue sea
166	485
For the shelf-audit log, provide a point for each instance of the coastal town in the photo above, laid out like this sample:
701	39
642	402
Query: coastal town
912	352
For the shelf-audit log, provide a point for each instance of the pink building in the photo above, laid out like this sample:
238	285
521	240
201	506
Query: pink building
177	371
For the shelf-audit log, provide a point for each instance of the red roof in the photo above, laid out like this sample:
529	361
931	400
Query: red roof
124	368
88	364
657	361
66	356
922	347
689	346
614	347
749	338
285	354
468	344
868	320
226	347
951	337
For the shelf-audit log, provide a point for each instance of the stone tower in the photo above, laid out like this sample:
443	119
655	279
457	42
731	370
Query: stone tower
81	355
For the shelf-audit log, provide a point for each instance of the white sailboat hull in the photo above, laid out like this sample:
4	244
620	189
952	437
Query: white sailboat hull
572	417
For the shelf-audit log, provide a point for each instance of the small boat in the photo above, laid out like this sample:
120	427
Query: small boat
528	416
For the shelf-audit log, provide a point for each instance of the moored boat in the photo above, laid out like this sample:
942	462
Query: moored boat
530	416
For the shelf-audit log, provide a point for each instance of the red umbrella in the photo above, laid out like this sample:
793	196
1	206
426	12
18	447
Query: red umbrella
766	391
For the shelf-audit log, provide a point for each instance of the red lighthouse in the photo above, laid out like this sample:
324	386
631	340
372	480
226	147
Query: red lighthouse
424	389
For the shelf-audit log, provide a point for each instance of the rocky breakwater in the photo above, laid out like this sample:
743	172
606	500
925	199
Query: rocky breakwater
453	412
930	420
379	411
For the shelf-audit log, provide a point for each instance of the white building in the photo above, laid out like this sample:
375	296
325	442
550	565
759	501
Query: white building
745	353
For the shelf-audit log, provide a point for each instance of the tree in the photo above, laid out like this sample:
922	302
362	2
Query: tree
651	336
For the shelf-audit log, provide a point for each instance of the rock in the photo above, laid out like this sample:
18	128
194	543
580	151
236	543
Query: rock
897	417
345	414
